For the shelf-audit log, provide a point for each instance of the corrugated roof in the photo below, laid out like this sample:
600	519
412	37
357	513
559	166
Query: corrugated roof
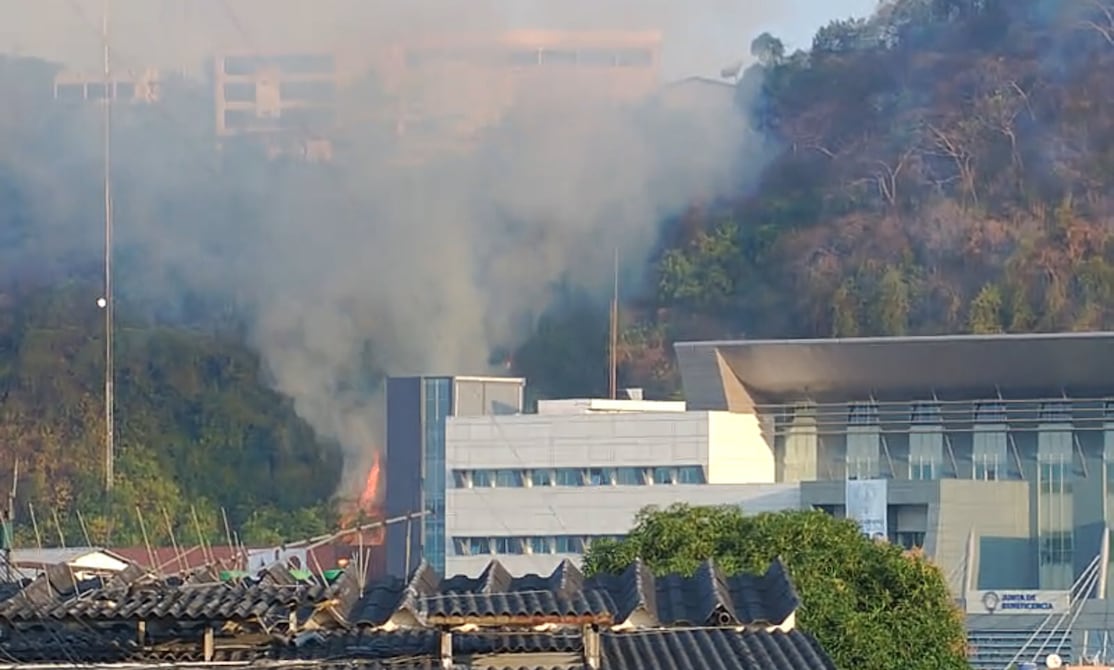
707	620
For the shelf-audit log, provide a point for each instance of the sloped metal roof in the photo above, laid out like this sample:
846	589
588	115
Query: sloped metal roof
898	368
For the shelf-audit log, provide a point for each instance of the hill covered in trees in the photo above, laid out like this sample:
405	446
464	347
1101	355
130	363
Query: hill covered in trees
943	166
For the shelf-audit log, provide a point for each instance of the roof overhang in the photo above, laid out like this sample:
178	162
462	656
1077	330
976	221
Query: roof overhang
736	375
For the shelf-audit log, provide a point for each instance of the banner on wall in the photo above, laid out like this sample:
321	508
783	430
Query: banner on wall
295	559
866	504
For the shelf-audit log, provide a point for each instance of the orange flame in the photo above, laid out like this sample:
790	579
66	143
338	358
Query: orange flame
370	494
367	506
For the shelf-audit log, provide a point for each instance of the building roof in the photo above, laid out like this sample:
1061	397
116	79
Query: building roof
706	620
733	374
33	558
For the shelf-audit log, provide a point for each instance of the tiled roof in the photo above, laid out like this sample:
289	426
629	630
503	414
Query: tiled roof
706	598
707	620
677	649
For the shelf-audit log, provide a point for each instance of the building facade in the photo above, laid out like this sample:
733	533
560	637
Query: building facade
997	451
418	409
537	489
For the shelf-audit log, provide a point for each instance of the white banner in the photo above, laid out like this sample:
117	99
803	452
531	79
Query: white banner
865	501
294	559
1017	602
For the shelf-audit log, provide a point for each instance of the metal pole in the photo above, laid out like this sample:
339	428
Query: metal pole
109	365
613	344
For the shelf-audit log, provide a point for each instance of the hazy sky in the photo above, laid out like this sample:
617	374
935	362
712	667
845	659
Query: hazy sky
701	35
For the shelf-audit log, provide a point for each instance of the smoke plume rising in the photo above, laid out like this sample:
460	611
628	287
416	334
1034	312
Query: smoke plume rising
369	263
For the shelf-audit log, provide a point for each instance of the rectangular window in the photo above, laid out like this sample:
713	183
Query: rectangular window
508	545
508	478
568	544
479	546
483	479
910	540
599	477
569	477
663	475
630	477
541	477
862	414
993	412
925	413
462	479
540	545
690	474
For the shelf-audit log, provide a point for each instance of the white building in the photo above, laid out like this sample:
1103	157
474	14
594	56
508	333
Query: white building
599	463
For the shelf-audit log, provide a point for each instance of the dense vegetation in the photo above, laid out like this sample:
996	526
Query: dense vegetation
943	166
871	606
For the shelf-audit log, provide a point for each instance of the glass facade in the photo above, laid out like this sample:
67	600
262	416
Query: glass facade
1061	446
436	407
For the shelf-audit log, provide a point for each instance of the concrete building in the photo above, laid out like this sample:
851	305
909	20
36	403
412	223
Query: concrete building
996	453
417	411
536	489
136	87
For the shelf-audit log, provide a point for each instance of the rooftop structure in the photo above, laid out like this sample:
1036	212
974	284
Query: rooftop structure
633	620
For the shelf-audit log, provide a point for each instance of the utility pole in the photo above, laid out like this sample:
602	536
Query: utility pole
107	300
613	346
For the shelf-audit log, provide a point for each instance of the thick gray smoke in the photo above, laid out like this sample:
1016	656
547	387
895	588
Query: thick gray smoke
369	263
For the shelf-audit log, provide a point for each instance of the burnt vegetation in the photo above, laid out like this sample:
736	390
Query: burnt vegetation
942	166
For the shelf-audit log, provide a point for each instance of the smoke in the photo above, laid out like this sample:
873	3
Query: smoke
372	263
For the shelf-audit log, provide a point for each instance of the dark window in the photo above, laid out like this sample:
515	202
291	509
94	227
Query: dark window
629	477
125	90
690	474
925	412
70	92
569	477
558	57
542	478
239	92
634	58
308	91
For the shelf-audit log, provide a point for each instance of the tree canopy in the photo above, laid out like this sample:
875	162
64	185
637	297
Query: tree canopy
869	604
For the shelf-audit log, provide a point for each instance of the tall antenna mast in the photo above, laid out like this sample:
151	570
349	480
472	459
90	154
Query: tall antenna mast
613	347
107	300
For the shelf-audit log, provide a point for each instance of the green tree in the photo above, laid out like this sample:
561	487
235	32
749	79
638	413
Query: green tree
986	311
869	604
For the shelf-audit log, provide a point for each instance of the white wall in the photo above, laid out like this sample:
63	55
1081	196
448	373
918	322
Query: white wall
587	511
730	446
737	450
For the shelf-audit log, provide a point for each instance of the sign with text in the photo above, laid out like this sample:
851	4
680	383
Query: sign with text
1017	602
865	502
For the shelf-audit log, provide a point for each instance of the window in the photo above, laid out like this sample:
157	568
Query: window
1056	548
629	477
508	545
925	412
482	479
663	475
909	539
569	477
508	478
556	57
1058	411
986	469
599	477
634	58
922	470
1055	477
690	474
462	479
239	92
478	546
568	544
863	414
990	412
541	477
540	545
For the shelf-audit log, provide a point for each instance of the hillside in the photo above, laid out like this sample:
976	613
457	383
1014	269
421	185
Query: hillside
943	167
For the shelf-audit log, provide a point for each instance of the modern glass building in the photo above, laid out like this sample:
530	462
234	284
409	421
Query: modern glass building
417	410
998	449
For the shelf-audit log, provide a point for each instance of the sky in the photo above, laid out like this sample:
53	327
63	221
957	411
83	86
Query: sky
707	36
